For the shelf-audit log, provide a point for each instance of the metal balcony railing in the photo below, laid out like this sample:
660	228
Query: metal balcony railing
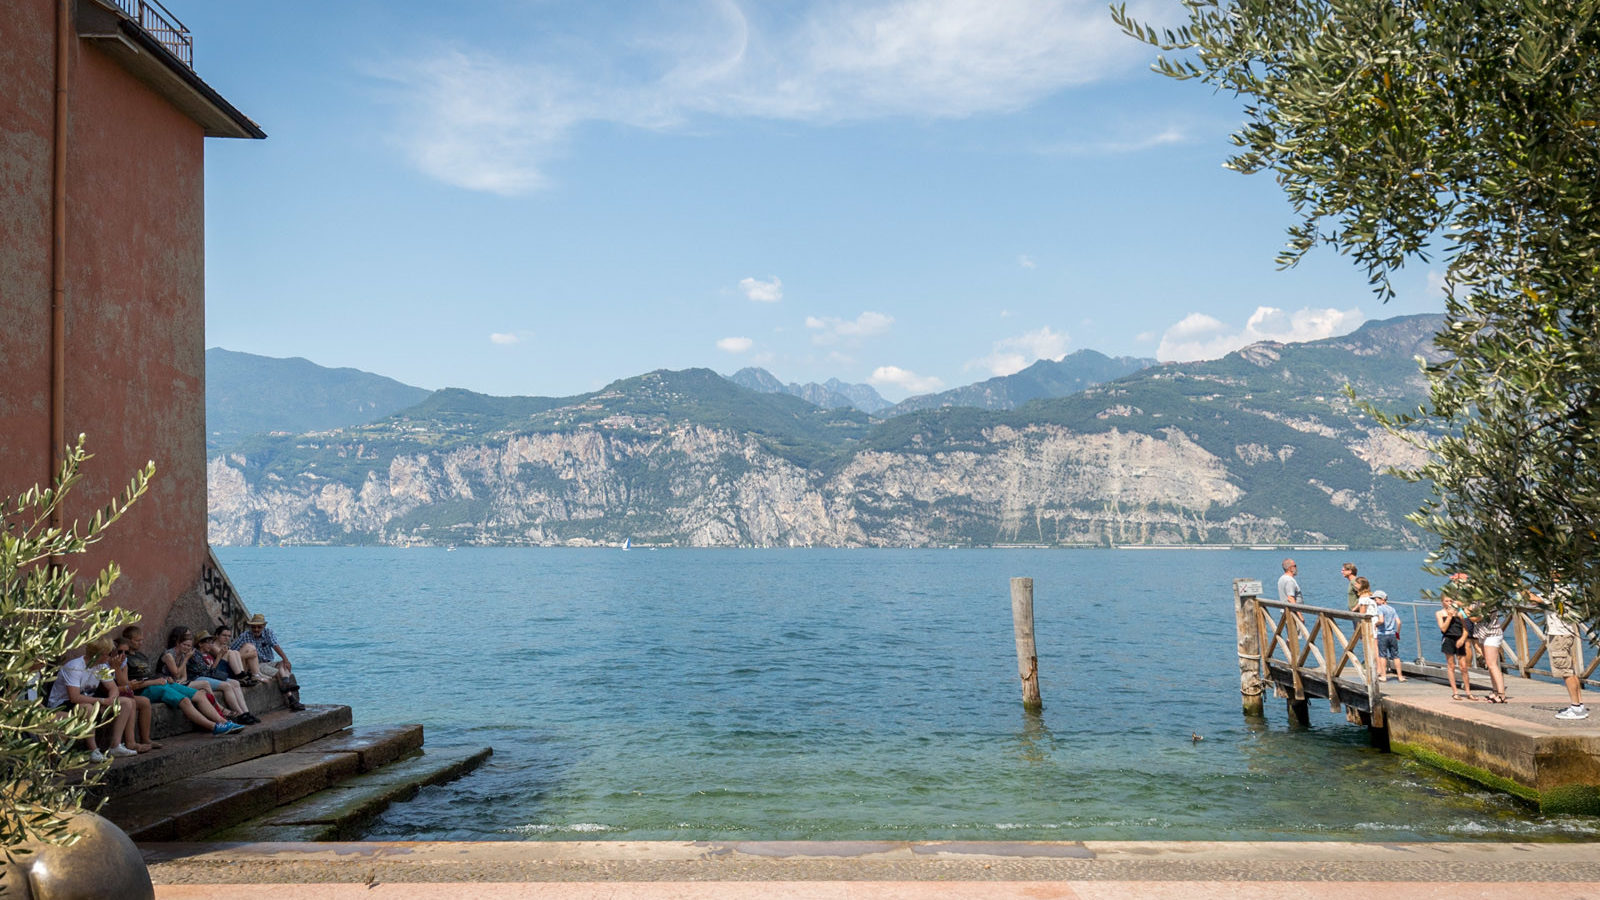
162	25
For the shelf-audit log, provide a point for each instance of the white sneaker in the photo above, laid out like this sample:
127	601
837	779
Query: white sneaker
120	750
1576	711
96	756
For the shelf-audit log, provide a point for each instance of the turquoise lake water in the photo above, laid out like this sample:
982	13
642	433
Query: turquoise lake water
847	694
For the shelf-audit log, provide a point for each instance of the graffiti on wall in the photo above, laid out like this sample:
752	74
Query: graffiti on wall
223	606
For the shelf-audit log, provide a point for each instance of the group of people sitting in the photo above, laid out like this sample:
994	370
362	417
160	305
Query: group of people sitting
203	678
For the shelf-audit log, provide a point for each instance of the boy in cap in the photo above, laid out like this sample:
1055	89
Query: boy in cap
1388	623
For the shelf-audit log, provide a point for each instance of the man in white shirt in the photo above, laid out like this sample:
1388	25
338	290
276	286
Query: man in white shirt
80	677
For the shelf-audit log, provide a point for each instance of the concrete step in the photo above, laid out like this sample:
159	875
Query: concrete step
216	798
342	812
193	753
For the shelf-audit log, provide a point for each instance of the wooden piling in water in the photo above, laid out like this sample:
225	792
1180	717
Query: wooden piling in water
1245	591
1027	653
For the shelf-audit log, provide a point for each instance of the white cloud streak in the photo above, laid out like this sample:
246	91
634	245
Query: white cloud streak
904	379
1012	355
1199	336
489	122
506	338
762	291
1165	136
831	330
735	344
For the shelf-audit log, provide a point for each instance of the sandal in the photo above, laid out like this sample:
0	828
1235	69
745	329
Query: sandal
1459	697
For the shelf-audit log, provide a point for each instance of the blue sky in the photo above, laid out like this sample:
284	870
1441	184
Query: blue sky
541	196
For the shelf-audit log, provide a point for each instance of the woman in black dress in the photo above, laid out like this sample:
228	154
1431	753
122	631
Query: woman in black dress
1453	644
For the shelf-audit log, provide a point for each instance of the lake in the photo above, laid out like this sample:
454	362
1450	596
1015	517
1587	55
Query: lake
848	695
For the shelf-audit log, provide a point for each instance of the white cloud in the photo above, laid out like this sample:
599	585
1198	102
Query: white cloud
1026	261
1199	336
735	344
830	330
505	338
1161	137
1013	354
490	121
904	379
762	291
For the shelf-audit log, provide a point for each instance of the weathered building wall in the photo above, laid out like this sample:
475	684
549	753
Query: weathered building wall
135	336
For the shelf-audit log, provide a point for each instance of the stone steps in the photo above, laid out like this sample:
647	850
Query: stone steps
341	812
215	798
192	753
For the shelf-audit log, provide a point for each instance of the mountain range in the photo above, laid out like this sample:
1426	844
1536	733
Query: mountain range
248	394
1260	447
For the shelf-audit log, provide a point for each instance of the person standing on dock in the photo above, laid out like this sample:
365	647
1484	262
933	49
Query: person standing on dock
1561	638
1349	571
1363	602
1288	587
1388	636
1453	644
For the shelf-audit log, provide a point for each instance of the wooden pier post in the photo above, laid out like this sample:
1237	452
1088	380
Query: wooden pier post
1027	653
1245	592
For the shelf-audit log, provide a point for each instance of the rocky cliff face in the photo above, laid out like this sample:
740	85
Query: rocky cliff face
1258	447
704	487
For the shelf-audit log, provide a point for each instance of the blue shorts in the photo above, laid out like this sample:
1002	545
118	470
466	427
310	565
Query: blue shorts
172	695
1389	646
211	684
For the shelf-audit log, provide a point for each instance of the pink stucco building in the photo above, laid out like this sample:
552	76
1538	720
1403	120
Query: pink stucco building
102	274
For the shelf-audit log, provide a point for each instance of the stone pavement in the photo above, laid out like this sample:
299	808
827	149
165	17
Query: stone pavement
873	870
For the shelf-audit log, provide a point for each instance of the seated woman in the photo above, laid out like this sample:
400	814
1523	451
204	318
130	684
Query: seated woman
159	688
80	677
139	734
206	664
175	665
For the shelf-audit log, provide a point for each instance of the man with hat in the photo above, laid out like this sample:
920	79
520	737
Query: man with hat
269	659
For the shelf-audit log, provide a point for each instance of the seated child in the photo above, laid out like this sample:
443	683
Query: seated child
175	665
203	666
244	663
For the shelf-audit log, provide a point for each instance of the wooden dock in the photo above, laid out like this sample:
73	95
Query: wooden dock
1307	653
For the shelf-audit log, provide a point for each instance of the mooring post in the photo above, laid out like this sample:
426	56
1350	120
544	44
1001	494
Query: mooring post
1245	592
1027	654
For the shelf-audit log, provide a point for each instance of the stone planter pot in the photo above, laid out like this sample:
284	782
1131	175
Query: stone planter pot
103	863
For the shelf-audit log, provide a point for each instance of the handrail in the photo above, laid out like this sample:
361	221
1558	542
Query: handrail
161	25
1523	651
1319	648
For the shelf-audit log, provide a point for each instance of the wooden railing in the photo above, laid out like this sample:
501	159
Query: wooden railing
1525	643
1315	648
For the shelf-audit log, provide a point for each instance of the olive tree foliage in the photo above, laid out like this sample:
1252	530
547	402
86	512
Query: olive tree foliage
46	611
1464	134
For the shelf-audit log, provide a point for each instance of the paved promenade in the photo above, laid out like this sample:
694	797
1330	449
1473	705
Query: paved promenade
873	870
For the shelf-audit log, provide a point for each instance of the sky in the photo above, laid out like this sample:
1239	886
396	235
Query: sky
540	196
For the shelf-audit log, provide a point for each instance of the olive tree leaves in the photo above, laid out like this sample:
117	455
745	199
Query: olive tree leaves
1467	132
